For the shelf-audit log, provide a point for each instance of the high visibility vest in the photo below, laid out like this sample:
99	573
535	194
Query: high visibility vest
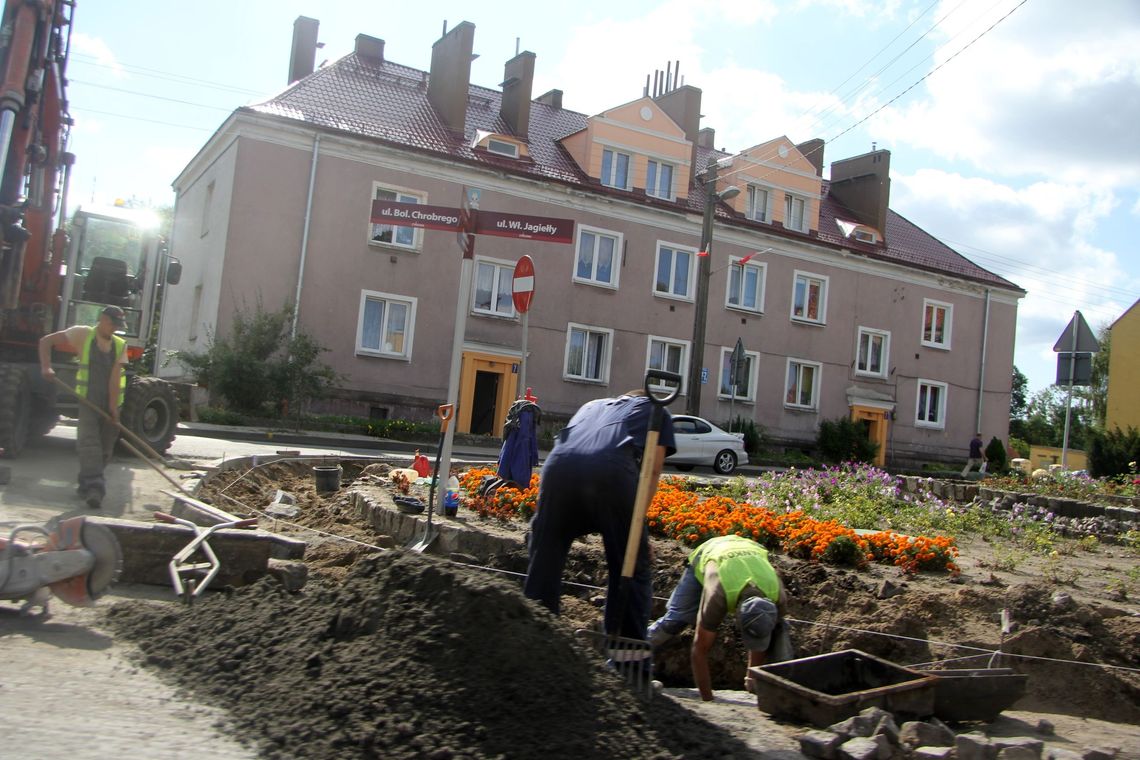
118	345
739	562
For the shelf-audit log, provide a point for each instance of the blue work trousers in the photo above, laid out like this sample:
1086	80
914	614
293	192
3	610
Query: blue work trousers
681	610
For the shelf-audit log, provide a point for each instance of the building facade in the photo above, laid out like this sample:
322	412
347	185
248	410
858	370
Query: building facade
843	307
1122	409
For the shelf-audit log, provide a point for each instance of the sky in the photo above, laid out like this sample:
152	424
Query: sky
1011	123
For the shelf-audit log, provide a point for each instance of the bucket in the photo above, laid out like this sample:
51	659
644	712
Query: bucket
326	478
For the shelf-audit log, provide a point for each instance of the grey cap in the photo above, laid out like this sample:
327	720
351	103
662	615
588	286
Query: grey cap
757	617
117	316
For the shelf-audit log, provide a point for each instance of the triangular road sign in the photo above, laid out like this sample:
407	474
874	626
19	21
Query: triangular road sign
1086	341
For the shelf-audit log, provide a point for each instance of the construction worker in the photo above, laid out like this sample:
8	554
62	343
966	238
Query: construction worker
100	379
725	575
589	483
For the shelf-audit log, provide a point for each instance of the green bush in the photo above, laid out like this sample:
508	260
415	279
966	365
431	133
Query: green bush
996	459
1020	446
1112	452
211	415
845	440
753	433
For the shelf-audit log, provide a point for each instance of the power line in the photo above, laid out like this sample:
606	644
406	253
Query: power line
139	118
148	95
90	60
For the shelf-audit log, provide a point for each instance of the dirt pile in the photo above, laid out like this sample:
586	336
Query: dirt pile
408	657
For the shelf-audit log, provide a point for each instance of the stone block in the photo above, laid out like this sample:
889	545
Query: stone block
933	753
1019	742
1017	753
292	575
821	744
974	746
947	732
916	733
855	726
862	748
872	715
1100	753
1045	727
1056	753
887	728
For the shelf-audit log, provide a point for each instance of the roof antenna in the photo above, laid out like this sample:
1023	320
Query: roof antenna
516	46
668	76
445	27
677	75
646	95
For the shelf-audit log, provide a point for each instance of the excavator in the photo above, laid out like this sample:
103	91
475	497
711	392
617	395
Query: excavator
56	272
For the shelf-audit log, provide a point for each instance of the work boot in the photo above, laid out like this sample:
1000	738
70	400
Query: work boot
94	499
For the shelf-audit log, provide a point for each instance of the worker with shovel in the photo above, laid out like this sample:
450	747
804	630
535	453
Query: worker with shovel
589	484
101	381
725	575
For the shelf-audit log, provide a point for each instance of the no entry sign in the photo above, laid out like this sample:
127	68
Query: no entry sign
522	286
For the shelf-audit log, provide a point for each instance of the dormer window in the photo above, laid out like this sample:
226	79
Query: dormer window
794	208
659	180
758	204
860	232
502	148
615	169
500	145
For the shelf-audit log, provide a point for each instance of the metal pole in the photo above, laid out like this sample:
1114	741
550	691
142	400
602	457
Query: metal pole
522	364
305	236
982	366
700	312
1069	397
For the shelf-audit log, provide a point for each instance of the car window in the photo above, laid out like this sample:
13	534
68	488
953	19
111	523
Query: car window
701	427
687	427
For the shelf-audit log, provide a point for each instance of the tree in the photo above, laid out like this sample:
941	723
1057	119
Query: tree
258	368
1098	383
1018	394
1044	423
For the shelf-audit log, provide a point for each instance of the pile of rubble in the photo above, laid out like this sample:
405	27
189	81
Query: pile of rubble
873	734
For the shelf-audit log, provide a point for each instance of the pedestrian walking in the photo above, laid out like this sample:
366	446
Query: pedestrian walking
977	455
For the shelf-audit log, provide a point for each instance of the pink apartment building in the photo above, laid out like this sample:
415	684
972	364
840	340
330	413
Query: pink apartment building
844	308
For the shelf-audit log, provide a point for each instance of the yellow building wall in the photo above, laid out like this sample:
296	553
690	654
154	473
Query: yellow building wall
1123	407
763	165
625	129
1040	457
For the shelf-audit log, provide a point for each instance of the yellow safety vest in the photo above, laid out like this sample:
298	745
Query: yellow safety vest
739	562
118	345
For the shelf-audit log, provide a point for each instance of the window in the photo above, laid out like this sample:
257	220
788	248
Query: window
802	388
386	325
206	207
936	322
809	298
872	353
745	285
668	355
493	288
674	271
659	180
758	204
745	376
390	234
615	169
502	147
597	251
930	409
587	353
864	236
794	213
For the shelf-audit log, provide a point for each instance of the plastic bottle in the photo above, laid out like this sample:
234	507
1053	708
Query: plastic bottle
451	498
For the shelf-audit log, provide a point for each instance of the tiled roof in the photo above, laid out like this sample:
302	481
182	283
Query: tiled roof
389	102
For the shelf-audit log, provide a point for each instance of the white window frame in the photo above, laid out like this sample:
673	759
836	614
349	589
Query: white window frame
403	195
817	378
409	330
870	333
207	206
611	180
750	211
668	343
930	303
825	285
589	330
502	147
615	267
734	270
689	284
789	201
499	266
753	358
944	389
654	191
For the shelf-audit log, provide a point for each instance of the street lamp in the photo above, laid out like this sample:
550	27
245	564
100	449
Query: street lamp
700	313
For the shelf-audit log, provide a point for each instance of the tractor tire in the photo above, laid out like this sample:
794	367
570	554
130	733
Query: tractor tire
44	414
15	410
150	411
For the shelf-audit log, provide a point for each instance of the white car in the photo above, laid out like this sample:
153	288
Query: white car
699	442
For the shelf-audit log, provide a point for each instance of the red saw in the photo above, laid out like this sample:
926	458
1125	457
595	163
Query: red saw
76	560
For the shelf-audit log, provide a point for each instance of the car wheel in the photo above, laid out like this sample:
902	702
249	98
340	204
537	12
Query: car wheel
684	467
725	462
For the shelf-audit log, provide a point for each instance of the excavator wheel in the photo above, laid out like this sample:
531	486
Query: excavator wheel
44	415
15	409
150	411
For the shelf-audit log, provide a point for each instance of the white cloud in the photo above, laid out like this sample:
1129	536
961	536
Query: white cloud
1048	92
96	48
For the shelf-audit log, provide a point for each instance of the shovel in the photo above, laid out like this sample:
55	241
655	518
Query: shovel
444	413
629	655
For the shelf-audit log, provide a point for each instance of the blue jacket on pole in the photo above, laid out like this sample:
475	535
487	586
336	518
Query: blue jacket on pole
519	454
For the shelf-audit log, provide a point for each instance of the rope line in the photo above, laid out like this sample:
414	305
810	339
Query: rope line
981	651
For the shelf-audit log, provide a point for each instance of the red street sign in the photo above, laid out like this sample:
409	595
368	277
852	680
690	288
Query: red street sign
415	215
546	229
522	286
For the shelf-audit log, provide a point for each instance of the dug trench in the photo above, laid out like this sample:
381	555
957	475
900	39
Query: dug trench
396	654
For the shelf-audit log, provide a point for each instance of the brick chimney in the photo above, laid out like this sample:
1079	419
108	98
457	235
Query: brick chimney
552	98
813	152
706	137
303	55
451	75
371	49
683	105
518	83
863	184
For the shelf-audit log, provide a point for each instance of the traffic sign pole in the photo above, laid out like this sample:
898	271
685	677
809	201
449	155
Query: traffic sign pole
522	364
522	292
